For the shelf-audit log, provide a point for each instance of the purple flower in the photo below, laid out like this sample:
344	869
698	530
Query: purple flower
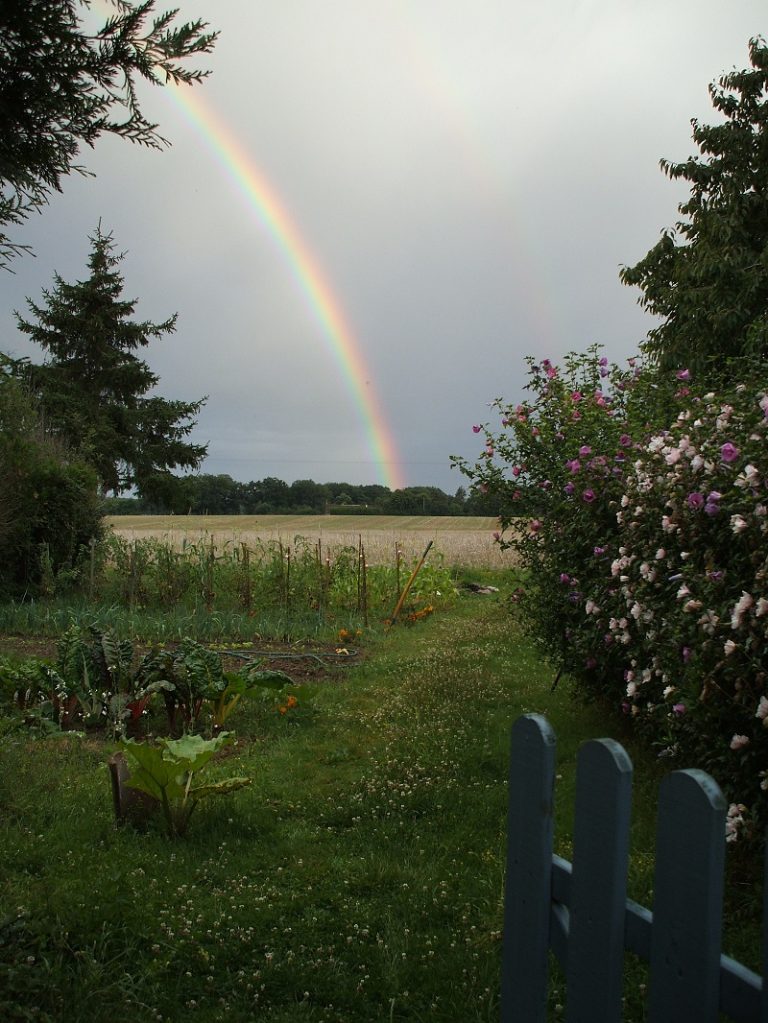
476	429
683	374
625	440
695	500
564	578
715	577
603	361
685	653
569	488
585	450
573	465
712	507
679	709
535	526
729	452
598	551
588	496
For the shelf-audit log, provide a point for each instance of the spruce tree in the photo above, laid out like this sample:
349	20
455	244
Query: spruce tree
708	278
94	389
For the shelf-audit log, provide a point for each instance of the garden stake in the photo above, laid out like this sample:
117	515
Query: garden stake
408	585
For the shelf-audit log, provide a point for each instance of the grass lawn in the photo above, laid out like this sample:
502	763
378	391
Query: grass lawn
359	878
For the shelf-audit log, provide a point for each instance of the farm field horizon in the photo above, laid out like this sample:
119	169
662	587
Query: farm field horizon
463	541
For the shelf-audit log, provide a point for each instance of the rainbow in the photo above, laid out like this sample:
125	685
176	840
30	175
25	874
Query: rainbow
262	199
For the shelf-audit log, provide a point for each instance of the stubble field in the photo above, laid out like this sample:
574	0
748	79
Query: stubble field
464	542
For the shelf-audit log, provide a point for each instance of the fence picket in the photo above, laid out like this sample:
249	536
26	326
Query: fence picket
688	900
529	870
599	884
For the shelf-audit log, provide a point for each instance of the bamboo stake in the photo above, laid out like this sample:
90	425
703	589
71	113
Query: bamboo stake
408	586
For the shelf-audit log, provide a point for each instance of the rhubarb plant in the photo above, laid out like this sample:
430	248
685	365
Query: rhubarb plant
168	772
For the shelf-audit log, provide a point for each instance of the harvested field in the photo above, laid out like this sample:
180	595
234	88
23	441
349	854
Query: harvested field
462	542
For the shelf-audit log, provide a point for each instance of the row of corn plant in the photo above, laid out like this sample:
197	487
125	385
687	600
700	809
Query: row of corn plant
230	589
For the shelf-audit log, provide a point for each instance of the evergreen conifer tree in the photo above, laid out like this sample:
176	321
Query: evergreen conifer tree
63	85
712	289
94	389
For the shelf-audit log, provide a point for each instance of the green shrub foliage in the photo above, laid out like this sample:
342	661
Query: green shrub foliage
49	508
647	553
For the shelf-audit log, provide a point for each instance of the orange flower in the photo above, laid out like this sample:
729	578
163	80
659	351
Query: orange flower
292	701
282	709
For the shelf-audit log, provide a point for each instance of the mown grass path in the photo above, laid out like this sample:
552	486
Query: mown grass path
360	878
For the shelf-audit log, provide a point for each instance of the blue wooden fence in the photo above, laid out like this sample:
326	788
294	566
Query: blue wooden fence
581	910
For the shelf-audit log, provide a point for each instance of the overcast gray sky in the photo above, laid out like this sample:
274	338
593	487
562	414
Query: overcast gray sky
464	177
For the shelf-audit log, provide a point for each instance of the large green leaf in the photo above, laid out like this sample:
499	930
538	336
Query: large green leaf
218	788
151	771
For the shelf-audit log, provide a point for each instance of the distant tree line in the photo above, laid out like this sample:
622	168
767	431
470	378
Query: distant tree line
206	494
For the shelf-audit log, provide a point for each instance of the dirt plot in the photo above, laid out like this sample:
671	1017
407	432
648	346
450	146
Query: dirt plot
463	542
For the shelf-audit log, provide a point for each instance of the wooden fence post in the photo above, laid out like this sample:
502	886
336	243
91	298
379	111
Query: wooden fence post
599	884
529	871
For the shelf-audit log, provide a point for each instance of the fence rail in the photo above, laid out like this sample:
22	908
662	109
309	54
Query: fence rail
581	910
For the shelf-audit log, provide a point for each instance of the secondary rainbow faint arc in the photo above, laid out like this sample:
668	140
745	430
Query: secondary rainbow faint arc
261	197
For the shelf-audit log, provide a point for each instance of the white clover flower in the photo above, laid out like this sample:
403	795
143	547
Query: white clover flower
683	592
660	554
762	709
739	741
668	691
656	444
631	688
729	646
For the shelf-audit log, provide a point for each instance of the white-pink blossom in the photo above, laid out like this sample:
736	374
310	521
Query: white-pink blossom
739	741
762	709
743	604
734	821
729	646
738	524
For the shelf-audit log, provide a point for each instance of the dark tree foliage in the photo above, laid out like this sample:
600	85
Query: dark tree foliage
708	278
94	389
49	509
63	85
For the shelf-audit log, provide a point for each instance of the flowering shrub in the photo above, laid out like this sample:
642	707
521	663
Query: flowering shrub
648	553
561	457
